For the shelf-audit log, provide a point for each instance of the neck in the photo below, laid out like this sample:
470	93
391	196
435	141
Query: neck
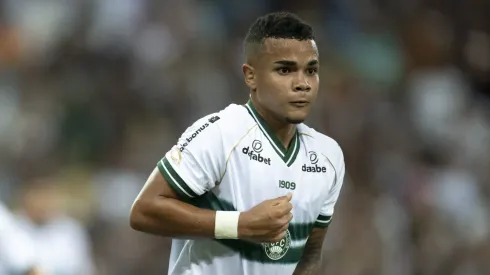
283	130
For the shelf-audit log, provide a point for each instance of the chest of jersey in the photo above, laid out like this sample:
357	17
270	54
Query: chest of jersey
256	172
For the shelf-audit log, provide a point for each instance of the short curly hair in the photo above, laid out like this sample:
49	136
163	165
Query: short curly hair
277	25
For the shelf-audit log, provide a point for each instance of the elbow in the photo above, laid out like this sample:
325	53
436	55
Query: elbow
144	218
137	216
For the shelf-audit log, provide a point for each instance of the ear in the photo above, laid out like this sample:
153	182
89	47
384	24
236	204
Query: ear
249	76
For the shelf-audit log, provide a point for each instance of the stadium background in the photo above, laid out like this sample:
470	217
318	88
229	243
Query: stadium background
93	93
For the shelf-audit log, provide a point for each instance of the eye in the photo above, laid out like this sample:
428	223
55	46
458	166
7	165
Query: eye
283	70
311	71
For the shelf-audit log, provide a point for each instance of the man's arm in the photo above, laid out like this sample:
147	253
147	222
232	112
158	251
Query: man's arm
158	210
189	170
311	260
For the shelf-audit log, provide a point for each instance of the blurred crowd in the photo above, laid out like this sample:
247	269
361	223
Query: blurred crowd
94	92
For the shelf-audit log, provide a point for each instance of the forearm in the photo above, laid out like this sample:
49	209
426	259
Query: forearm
172	218
309	264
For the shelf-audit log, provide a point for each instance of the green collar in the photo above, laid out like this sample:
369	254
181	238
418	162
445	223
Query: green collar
287	155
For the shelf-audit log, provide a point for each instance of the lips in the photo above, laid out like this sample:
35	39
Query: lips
299	103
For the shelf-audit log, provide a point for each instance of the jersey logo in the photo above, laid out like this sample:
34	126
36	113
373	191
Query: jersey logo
254	152
313	168
213	119
276	251
194	135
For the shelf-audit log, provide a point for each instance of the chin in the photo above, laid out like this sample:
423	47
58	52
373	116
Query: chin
294	120
297	116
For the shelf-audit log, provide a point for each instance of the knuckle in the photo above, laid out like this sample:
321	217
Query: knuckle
285	211
278	223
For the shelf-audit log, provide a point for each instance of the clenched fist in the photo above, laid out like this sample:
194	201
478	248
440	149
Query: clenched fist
266	222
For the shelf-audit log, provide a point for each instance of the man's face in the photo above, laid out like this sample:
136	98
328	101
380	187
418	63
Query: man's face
286	78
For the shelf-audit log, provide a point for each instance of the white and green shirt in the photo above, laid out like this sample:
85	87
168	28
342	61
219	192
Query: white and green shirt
232	161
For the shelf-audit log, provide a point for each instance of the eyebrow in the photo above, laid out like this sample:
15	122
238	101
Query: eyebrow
293	63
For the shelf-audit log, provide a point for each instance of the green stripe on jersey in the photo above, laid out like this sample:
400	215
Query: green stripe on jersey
293	151
300	231
287	155
323	221
251	251
255	252
174	180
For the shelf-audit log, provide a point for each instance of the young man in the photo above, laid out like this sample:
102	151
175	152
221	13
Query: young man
250	189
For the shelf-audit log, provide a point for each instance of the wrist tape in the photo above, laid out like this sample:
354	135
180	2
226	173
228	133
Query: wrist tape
226	225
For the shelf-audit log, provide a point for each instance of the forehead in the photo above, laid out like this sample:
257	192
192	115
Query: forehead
289	49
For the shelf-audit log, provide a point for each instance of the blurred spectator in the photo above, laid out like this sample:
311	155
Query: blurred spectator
17	255
60	244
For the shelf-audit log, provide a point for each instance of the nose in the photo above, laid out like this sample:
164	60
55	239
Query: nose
301	84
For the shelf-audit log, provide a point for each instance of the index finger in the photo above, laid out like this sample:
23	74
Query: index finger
285	207
283	199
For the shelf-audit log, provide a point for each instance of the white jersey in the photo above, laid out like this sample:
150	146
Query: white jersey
232	161
17	254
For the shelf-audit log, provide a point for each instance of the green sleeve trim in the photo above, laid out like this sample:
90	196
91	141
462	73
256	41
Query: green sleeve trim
323	221
174	180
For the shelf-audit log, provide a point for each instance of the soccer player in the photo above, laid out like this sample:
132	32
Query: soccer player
251	189
16	249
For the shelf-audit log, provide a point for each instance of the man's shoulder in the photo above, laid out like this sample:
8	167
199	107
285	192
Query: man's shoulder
321	143
222	117
225	123
231	118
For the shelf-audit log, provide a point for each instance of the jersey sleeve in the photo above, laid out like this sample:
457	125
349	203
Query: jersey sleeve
194	165
327	210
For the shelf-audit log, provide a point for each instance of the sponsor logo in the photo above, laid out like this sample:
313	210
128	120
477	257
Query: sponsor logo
276	251
254	151
313	167
313	158
213	119
193	136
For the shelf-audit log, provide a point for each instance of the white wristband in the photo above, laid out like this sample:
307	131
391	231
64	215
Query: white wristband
226	225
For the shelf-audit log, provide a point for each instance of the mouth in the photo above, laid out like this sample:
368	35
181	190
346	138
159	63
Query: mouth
299	103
